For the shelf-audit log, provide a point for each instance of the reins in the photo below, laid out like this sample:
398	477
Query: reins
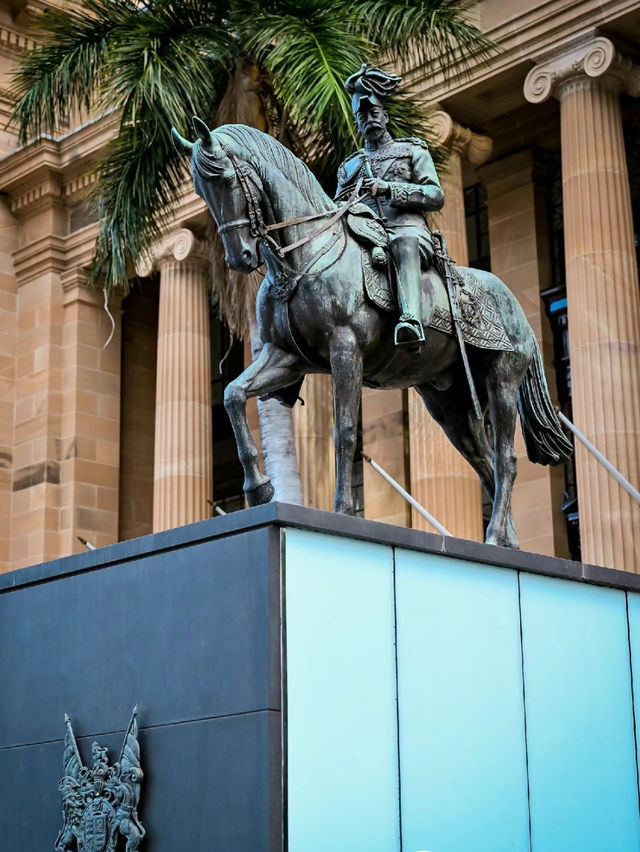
354	199
256	222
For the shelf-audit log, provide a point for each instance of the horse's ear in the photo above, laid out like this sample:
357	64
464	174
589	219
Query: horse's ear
203	133
182	146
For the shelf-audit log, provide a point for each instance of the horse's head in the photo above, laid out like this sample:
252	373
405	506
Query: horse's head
232	198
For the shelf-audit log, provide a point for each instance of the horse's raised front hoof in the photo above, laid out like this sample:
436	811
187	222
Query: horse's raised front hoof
260	494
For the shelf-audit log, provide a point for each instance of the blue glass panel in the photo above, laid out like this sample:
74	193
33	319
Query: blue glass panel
582	769
462	752
634	636
341	697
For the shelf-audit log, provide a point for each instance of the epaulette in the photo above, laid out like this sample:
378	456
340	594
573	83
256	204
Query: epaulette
414	141
357	153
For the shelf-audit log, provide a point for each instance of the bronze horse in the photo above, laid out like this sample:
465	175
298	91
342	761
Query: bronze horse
315	317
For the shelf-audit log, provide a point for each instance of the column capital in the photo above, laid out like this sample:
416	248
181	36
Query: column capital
178	245
593	57
472	146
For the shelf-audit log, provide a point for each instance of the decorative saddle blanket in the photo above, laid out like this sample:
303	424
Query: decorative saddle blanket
479	316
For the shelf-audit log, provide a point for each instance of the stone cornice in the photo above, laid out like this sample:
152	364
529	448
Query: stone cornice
76	288
543	26
469	145
14	43
36	196
79	186
71	157
179	245
47	254
593	56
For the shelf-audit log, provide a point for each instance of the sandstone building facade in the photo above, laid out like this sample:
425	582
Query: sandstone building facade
542	187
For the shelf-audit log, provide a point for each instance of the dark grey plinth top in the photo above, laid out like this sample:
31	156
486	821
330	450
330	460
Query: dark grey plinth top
285	515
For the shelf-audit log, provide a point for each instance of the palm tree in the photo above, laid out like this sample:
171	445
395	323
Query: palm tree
278	65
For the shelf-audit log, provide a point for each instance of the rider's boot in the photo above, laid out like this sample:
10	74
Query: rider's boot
405	251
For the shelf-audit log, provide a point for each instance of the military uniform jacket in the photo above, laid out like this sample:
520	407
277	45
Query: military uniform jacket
407	166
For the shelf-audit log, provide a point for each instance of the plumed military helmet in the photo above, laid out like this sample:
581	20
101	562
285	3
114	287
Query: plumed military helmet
370	87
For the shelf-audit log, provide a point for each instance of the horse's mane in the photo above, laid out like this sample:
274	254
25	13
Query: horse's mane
256	148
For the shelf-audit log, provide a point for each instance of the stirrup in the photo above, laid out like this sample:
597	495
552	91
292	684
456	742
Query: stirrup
409	333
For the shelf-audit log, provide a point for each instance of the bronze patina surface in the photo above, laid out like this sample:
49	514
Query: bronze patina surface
321	310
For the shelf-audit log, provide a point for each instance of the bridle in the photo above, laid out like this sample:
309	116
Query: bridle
255	220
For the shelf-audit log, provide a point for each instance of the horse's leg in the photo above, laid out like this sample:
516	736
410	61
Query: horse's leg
346	369
272	369
502	384
463	429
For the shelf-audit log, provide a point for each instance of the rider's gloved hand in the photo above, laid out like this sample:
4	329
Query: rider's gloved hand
376	187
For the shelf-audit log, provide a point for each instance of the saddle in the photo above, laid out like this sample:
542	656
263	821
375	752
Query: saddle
366	227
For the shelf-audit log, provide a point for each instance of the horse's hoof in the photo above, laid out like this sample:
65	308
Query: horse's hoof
506	540
260	494
344	509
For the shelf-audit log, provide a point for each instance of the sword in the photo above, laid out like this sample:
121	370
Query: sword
369	173
443	256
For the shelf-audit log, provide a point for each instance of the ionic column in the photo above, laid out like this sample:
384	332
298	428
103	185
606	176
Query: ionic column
183	463
441	480
602	287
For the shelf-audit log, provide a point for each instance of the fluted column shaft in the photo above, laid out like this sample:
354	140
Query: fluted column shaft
603	316
313	423
441	480
183	464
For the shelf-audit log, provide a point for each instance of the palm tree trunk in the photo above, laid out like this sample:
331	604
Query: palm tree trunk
277	438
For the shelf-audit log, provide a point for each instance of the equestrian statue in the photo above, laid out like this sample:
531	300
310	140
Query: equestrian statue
360	287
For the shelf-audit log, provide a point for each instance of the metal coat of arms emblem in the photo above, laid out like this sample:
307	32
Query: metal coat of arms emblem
100	804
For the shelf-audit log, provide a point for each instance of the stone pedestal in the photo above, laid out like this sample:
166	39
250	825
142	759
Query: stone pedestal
441	480
183	465
602	288
519	234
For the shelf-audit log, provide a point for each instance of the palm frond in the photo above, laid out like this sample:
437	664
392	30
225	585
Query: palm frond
150	76
308	49
63	72
435	31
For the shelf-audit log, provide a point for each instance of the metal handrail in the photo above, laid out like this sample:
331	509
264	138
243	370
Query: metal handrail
628	487
411	500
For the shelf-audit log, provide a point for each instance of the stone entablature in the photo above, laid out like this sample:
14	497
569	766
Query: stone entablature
593	57
521	35
14	43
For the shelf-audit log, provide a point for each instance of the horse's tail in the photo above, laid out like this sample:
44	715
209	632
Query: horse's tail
543	436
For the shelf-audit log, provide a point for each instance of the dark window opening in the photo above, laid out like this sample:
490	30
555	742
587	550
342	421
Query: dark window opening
631	136
227	362
555	301
476	216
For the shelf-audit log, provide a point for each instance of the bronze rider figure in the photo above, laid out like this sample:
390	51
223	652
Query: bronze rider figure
402	186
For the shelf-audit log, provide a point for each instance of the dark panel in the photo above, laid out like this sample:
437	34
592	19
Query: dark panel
190	633
206	787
